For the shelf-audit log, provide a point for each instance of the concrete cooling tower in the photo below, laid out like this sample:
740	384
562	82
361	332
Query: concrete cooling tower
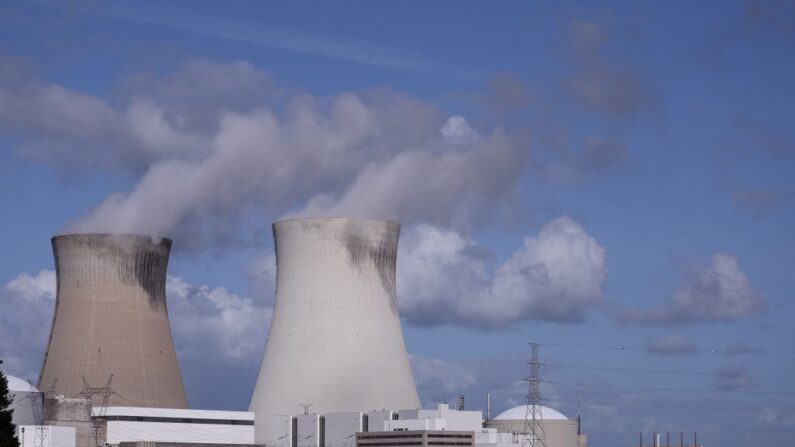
111	319
335	340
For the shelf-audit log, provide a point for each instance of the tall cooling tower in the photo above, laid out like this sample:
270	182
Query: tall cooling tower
335	340
111	319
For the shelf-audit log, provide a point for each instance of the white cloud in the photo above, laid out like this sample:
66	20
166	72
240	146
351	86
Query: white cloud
457	130
34	288
213	321
713	293
301	41
441	381
27	302
443	278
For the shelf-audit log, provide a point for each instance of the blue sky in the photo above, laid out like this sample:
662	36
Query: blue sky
586	174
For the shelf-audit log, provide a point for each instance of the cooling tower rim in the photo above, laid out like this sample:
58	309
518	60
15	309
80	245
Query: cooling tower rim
121	237
356	221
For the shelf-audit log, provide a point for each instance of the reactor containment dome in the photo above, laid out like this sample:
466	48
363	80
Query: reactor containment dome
335	342
111	320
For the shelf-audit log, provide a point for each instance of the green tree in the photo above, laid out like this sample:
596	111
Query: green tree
8	431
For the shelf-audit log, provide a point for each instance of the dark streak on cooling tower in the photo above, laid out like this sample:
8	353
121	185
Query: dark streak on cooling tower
378	248
335	338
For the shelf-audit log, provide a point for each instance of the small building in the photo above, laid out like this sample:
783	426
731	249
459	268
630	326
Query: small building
439	427
452	419
559	430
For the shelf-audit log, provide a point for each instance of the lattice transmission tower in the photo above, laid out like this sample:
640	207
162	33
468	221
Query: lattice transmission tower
97	421
533	435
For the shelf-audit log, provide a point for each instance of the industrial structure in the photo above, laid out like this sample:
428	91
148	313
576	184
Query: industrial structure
335	341
110	327
416	438
178	426
559	430
25	402
28	413
335	371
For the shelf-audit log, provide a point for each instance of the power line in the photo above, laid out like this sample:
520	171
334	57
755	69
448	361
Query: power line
667	371
678	407
671	350
687	390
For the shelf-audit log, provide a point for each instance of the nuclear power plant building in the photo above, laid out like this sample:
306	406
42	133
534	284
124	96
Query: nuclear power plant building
111	320
335	371
335	341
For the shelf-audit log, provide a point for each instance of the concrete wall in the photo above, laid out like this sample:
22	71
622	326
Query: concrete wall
341	428
172	432
460	420
75	413
308	430
111	319
453	419
282	432
335	339
168	425
27	407
415	424
376	419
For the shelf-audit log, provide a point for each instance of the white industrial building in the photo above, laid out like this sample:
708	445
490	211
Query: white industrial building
25	402
171	425
506	430
28	416
442	418
423	427
72	421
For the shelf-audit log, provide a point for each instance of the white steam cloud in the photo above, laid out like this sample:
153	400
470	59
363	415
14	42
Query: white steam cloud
208	163
210	160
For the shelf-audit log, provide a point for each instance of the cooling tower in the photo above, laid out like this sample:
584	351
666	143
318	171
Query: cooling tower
111	319
335	340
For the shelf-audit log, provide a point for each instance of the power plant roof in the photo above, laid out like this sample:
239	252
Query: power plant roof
17	384
520	412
